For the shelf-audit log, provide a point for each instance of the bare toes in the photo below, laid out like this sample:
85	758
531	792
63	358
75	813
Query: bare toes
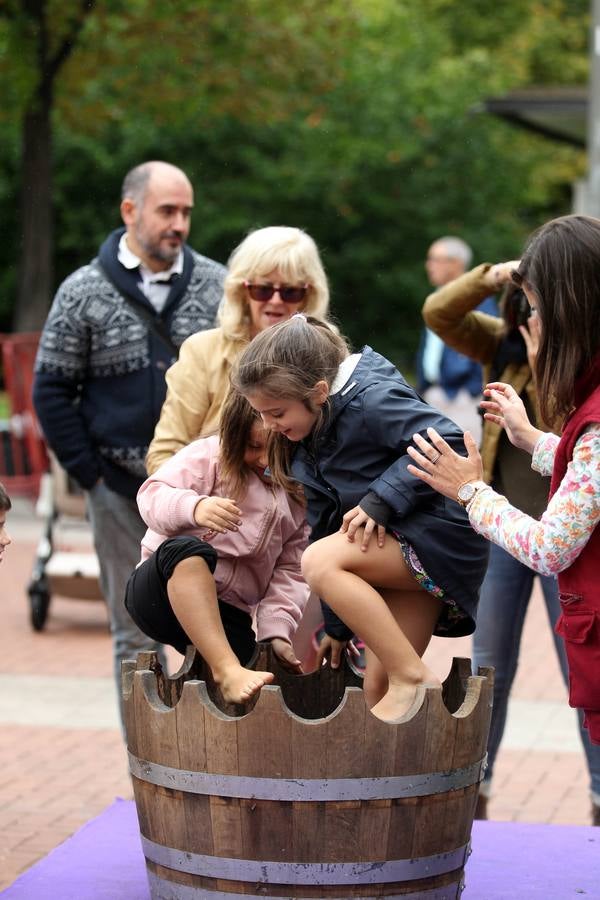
243	684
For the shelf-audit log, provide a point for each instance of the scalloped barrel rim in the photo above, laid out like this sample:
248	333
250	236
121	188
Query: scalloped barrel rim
145	681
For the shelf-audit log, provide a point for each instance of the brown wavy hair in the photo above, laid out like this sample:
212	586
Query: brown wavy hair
561	266
235	429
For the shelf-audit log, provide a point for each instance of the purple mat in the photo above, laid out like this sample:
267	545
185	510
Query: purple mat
103	861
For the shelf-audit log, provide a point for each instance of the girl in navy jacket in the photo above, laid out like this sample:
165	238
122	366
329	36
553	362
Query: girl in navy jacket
395	561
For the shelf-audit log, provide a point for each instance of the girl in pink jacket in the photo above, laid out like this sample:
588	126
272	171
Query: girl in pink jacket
222	544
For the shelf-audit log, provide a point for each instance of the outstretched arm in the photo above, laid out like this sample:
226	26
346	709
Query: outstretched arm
504	407
548	545
442	468
450	312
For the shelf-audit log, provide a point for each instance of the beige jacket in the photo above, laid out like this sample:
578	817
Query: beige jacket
450	313
197	385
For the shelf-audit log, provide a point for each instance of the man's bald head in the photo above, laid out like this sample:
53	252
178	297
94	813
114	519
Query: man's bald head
447	258
156	205
137	179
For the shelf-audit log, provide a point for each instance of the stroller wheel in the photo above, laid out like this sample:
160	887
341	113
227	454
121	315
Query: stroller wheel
39	602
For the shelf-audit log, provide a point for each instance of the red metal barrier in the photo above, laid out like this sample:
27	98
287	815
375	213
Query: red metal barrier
23	457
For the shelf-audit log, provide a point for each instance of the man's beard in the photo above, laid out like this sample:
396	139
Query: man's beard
155	250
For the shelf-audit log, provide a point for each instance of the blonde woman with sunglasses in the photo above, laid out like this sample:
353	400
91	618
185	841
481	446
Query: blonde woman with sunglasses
274	273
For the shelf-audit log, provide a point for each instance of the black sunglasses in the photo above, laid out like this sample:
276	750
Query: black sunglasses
289	293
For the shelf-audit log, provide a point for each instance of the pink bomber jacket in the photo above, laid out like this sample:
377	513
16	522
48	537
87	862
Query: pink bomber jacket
258	568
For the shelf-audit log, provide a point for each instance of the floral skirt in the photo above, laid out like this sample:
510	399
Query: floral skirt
451	612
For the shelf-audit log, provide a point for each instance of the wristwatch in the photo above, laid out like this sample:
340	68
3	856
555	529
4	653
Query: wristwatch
466	492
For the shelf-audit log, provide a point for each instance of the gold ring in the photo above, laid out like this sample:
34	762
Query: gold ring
434	459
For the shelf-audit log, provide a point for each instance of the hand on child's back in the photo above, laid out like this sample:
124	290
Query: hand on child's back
218	513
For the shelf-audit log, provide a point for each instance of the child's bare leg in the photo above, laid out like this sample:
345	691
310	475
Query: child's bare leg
416	613
375	682
193	597
376	685
344	575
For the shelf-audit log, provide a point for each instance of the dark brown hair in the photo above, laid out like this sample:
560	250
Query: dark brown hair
514	308
5	503
235	429
287	361
561	267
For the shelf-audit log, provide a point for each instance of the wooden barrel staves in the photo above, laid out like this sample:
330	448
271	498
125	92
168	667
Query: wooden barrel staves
303	794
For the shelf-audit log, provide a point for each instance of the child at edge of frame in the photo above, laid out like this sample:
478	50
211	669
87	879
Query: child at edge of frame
5	507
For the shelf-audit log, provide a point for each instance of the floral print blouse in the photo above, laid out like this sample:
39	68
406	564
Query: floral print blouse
551	544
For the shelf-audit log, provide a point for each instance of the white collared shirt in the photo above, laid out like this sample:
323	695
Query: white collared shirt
154	285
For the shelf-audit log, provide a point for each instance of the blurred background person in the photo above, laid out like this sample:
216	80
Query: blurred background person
446	378
506	347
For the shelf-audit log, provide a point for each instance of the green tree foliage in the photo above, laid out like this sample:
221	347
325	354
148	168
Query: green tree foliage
358	122
171	64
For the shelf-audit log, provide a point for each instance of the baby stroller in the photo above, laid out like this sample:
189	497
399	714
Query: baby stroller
66	562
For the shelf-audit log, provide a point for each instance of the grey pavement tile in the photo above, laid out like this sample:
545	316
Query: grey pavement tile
58	701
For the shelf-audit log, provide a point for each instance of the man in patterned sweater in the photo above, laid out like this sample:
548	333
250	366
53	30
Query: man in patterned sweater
113	330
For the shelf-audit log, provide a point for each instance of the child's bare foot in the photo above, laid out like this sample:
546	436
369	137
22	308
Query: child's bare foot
238	685
400	697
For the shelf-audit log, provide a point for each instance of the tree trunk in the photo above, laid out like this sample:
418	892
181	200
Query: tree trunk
35	270
37	245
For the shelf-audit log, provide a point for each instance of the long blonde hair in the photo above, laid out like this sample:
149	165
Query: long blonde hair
289	250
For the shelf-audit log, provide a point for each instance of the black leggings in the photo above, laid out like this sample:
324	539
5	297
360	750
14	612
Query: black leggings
147	600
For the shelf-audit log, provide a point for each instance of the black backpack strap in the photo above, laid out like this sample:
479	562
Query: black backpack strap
156	325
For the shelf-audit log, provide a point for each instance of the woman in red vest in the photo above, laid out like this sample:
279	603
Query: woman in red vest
560	275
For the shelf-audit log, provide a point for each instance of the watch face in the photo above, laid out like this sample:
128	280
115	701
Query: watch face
466	492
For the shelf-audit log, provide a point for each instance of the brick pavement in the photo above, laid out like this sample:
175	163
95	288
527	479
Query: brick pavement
62	760
52	778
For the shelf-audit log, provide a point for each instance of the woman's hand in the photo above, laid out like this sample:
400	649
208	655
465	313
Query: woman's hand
355	519
505	408
218	514
531	335
499	274
441	467
284	652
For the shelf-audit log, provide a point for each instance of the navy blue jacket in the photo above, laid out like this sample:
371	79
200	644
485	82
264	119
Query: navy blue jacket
100	370
362	449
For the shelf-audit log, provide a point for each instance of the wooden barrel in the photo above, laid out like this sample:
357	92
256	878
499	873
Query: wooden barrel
306	794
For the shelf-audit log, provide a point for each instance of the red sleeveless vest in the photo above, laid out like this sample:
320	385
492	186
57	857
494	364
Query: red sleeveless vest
579	585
